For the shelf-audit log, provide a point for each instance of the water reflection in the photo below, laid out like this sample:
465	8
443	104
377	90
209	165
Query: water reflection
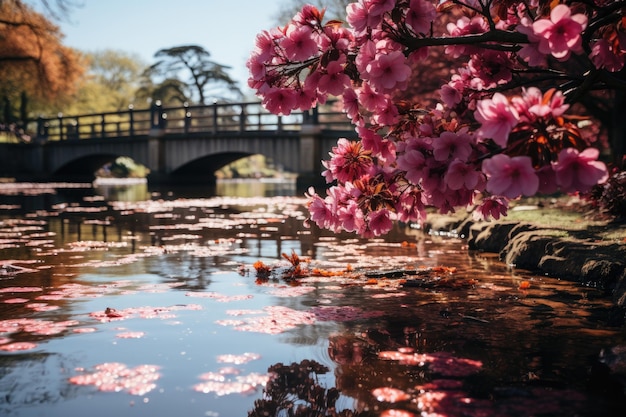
138	296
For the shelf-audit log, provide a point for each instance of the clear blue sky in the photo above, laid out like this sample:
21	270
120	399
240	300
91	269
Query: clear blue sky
225	28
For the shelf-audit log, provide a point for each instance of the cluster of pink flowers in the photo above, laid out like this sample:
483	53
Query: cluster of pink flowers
488	141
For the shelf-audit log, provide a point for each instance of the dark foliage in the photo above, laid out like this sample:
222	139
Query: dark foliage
610	197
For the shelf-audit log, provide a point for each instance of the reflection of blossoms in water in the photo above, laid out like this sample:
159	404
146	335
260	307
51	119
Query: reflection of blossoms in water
227	380
279	319
441	363
238	359
18	346
147	312
130	335
217	296
118	377
217	383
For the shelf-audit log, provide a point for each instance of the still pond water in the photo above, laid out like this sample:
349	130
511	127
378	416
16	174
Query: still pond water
116	301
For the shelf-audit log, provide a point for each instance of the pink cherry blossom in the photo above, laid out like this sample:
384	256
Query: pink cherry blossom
350	104
309	15
579	171
452	145
531	106
388	71
378	7
491	207
491	67
348	161
280	100
333	81
420	15
461	175
365	55
358	17
410	207
306	98
299	44
371	99
264	45
450	95
337	38
497	118
510	177
560	35
603	55
352	218
321	214
387	115
530	51
371	140
380	222
413	159
465	26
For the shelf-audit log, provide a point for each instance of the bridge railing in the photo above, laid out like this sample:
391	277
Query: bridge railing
186	119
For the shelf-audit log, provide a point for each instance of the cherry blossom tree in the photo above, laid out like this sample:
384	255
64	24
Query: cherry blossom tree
503	127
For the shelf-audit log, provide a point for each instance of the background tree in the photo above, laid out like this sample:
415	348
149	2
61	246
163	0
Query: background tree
170	91
203	78
109	84
35	68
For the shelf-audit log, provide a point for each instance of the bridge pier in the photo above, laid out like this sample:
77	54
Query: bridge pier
310	158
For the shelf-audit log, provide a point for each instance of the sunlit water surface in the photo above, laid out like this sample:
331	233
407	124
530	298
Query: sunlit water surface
119	302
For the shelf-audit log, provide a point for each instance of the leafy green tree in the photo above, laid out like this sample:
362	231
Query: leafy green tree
110	83
202	78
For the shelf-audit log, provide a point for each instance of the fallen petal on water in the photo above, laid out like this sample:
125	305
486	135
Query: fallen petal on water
18	346
390	395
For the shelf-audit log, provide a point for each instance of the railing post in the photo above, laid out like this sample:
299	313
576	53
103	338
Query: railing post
158	119
131	121
72	130
215	117
187	117
315	117
42	128
279	124
60	117
103	125
155	114
242	118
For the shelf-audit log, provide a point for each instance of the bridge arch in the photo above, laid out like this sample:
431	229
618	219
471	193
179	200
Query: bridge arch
84	167
204	167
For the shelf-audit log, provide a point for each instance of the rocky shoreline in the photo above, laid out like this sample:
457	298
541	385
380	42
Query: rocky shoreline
563	243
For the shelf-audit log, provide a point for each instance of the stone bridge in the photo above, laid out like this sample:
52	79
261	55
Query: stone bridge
178	145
